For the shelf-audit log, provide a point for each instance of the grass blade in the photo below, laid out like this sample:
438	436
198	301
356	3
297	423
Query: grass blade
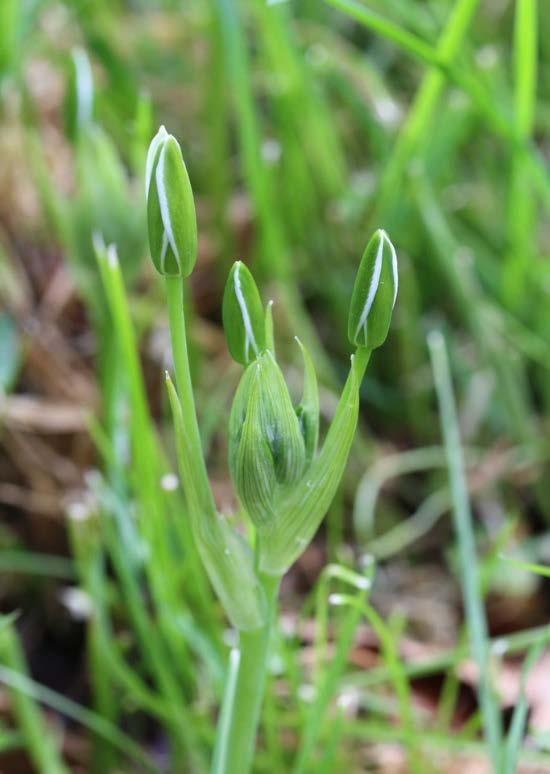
517	726
469	569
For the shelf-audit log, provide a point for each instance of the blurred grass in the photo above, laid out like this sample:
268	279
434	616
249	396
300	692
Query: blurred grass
305	125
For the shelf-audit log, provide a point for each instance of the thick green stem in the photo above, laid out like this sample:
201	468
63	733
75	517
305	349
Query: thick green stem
249	691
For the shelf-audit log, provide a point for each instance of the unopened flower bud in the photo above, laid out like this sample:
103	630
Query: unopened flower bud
243	315
374	293
171	217
266	444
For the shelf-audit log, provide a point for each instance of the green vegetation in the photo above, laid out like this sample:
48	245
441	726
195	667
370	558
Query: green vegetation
221	566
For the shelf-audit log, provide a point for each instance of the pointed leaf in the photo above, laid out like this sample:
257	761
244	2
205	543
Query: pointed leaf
307	410
225	555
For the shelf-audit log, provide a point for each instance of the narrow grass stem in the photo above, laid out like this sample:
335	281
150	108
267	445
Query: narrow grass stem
469	568
249	689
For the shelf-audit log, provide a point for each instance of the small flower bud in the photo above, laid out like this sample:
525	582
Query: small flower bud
266	445
171	215
374	293
243	315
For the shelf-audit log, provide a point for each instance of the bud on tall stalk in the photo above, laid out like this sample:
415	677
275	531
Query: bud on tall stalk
266	442
283	482
171	215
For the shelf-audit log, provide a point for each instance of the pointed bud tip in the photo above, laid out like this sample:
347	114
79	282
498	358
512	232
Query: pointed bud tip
171	216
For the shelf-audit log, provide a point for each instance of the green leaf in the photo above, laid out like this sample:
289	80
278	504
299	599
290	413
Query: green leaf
269	335
243	315
171	217
374	293
307	410
226	556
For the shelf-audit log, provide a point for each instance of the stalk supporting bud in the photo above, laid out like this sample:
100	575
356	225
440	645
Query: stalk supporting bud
171	217
374	293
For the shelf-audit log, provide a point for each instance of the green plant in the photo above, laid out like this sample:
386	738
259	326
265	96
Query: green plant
305	124
283	484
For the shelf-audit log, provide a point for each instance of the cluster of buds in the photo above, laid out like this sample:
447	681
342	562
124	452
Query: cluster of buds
283	482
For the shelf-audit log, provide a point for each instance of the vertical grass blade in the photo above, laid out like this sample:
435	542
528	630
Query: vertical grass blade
39	740
469	568
519	718
226	713
521	205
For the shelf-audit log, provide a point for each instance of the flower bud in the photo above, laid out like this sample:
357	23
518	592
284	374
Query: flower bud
374	293
243	315
266	445
171	215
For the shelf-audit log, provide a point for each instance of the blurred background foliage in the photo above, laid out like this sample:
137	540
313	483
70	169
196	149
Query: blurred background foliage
305	125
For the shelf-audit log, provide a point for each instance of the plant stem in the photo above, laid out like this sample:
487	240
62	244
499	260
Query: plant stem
249	690
176	316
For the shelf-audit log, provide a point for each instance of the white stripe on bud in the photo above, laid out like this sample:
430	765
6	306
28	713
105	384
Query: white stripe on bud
375	281
165	212
374	293
393	267
160	137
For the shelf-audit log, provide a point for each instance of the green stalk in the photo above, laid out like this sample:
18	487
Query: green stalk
176	318
249	689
